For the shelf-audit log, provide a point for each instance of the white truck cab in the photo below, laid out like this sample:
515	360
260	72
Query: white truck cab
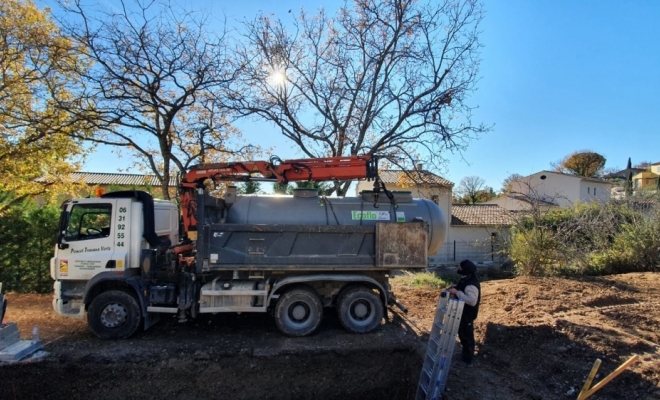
102	236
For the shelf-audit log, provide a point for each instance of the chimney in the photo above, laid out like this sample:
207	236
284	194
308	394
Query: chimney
419	166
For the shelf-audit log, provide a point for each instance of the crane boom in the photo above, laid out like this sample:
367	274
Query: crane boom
309	169
275	170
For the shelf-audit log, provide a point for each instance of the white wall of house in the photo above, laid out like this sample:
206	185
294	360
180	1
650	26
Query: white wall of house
513	204
556	188
471	242
471	234
562	189
593	190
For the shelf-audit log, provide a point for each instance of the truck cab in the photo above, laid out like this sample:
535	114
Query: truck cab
100	240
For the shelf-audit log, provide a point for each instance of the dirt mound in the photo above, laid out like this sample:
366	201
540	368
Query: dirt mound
536	338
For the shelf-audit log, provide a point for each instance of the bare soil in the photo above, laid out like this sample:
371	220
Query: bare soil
536	339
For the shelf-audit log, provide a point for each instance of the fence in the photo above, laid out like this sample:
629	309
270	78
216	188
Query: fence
452	252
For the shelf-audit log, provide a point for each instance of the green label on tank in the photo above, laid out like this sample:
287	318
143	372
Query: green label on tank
371	215
400	216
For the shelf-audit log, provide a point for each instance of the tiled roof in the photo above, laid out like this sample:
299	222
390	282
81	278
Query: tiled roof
411	178
100	178
623	174
479	215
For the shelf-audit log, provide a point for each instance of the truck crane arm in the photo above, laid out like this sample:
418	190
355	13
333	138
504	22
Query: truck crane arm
275	170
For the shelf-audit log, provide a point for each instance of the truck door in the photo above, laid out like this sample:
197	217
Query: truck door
87	245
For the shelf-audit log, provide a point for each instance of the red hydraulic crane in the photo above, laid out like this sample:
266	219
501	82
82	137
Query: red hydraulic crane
275	170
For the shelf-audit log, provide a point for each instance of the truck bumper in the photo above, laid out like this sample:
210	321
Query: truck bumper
67	306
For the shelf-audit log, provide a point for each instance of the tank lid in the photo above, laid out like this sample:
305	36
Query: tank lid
305	192
399	196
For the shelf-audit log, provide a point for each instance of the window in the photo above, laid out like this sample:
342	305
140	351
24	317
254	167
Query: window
588	190
594	191
88	221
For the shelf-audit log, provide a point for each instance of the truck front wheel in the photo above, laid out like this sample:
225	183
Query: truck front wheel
114	315
360	309
298	312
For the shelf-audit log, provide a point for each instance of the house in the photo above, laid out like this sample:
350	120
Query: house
648	178
553	188
115	181
477	233
517	202
642	178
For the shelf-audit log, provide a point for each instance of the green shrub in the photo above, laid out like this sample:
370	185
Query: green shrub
28	234
636	248
589	238
532	251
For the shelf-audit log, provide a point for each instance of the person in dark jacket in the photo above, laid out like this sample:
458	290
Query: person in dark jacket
468	289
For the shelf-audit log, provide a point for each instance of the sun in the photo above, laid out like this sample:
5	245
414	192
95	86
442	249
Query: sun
277	78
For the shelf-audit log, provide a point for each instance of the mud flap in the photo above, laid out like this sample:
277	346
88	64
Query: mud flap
150	319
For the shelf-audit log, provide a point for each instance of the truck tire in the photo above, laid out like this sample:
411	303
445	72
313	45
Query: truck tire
360	309
298	312
114	315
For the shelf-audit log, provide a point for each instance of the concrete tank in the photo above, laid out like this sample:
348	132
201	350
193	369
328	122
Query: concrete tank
307	208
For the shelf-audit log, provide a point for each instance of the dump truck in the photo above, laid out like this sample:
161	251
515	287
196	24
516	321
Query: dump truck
124	259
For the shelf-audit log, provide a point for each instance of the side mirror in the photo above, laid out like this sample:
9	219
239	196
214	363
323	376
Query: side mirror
60	241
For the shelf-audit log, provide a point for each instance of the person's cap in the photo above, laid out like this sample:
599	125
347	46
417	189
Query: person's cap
468	267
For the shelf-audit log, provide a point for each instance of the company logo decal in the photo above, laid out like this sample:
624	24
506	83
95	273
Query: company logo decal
371	215
64	267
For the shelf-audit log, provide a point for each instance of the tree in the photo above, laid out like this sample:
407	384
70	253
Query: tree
324	188
643	164
583	163
280	188
629	180
35	79
506	183
389	77
154	82
250	187
473	190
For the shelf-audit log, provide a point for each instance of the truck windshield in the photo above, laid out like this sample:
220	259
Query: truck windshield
89	221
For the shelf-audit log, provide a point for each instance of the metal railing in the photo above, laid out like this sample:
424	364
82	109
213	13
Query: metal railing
487	251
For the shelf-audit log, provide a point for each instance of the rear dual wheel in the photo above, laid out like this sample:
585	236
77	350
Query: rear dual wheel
360	309
298	312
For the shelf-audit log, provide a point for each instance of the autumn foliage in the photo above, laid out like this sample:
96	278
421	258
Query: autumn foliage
582	163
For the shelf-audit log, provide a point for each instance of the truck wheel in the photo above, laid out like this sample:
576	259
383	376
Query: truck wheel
298	312
114	315
360	309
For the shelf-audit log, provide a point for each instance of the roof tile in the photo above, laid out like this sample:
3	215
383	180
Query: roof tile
99	178
410	178
479	215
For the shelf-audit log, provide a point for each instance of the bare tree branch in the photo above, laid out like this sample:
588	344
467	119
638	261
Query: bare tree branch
388	77
156	71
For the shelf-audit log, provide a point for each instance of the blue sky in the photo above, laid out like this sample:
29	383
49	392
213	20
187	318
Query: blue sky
556	77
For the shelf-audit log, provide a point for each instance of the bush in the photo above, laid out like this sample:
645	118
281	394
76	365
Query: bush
636	248
591	238
28	234
532	251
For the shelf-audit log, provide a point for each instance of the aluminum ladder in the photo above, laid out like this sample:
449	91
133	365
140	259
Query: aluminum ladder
440	349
